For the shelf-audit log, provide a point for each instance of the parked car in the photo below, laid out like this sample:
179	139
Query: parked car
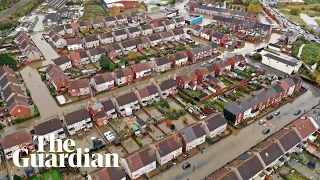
276	113
203	64
270	116
262	121
266	131
186	165
297	112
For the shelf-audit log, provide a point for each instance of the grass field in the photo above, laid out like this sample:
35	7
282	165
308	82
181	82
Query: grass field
50	175
93	12
295	176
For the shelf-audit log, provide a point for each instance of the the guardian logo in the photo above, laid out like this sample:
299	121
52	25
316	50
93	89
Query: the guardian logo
65	152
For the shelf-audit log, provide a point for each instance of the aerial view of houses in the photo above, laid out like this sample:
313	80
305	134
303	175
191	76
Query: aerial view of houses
168	89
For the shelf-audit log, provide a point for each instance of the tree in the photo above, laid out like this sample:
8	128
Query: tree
173	127
85	30
112	67
16	177
7	59
247	2
114	11
142	7
257	56
132	55
295	10
104	62
254	8
318	80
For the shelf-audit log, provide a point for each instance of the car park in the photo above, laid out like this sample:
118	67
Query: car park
297	112
276	113
186	165
270	116
266	131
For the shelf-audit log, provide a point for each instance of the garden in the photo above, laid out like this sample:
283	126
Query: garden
53	174
215	104
92	10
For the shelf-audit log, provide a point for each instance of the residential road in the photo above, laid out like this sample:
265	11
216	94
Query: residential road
224	151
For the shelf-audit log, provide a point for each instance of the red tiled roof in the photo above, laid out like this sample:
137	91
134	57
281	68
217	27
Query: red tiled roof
305	127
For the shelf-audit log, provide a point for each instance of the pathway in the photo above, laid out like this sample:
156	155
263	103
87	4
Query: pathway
300	50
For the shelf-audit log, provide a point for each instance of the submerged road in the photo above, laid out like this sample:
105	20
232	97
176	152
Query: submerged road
224	151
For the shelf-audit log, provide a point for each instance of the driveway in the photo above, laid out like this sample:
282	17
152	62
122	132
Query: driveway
216	156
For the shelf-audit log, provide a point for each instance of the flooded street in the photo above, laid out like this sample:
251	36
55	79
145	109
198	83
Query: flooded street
310	22
46	103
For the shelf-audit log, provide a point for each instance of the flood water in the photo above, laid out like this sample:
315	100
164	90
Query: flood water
310	22
46	103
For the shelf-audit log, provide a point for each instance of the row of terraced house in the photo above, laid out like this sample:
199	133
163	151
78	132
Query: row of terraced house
272	153
135	164
14	99
56	34
55	73
27	47
251	105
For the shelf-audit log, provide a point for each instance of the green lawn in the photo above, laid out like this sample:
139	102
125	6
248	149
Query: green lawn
93	12
213	104
242	73
192	93
224	81
53	175
295	176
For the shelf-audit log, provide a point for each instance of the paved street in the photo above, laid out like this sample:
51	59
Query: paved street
48	52
13	8
216	156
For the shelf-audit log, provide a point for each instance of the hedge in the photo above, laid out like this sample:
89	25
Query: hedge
186	98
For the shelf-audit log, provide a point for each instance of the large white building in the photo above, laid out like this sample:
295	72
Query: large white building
281	62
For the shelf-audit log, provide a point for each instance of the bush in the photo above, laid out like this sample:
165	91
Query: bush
175	114
173	127
139	142
7	59
209	140
257	56
186	98
36	111
2	126
295	10
43	77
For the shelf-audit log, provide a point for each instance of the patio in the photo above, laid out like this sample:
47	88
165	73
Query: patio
156	133
130	145
173	104
154	112
142	115
118	150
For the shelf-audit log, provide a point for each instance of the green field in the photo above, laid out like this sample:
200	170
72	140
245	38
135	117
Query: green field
94	11
295	176
50	175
